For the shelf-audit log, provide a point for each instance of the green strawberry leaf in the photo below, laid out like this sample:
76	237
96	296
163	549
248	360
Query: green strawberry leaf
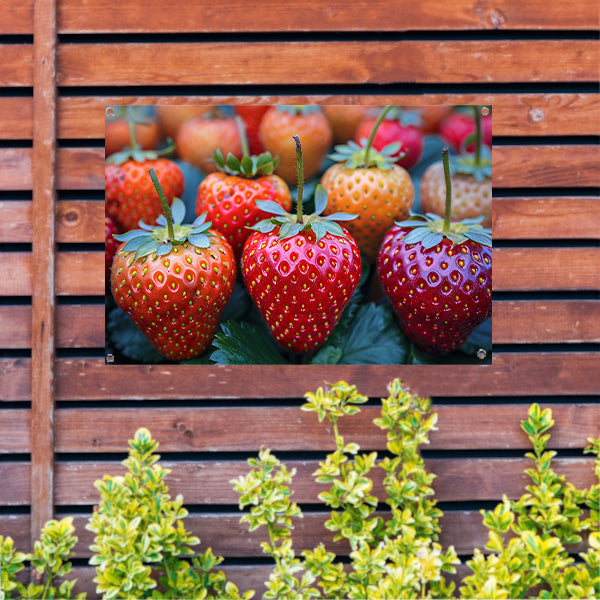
272	207
130	235
242	343
177	211
480	339
164	249
199	240
372	337
134	243
321	199
129	340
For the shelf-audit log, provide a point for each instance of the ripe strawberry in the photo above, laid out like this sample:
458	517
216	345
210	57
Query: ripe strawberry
438	277
276	129
344	120
471	183
229	195
457	130
398	126
116	135
174	280
301	271
252	115
129	194
110	244
199	138
366	183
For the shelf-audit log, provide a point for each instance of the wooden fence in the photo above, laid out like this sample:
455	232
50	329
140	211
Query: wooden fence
65	416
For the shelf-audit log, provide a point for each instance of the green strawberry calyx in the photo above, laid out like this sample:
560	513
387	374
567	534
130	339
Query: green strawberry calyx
160	239
292	224
363	155
430	229
250	166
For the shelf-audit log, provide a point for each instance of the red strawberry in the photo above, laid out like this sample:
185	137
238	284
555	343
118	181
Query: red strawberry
199	138
458	127
170	117
367	183
229	195
277	127
398	126
110	244
252	115
130	198
301	271
129	194
438	277
174	280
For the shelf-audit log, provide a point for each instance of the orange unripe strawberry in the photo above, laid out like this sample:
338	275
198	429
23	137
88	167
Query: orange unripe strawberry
276	129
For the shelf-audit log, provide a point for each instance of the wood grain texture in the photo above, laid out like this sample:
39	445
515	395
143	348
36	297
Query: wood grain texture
17	118
564	166
15	433
43	266
223	532
539	269
364	62
517	374
543	322
513	114
15	169
291	429
515	322
540	218
536	218
16	67
208	482
516	269
379	15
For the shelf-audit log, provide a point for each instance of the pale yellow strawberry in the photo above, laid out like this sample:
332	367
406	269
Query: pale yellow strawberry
470	198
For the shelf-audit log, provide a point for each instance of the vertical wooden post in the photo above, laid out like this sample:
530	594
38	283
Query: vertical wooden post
42	359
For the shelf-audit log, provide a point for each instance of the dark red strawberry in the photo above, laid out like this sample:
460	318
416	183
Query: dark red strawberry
252	115
398	126
301	271
457	130
229	195
129	194
438	277
110	244
174	280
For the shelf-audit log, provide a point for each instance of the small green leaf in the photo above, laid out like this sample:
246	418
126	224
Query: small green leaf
233	162
199	240
164	249
134	233
271	206
321	199
178	211
135	243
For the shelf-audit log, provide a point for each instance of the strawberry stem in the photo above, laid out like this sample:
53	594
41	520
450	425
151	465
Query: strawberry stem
477	135
448	210
300	167
164	203
243	137
374	131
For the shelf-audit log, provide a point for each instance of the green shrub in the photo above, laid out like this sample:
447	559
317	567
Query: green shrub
400	557
141	548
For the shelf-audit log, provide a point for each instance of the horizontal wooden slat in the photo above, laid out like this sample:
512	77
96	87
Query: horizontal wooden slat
543	322
290	429
312	15
353	62
514	166
16	67
17	118
229	538
76	221
375	15
546	166
546	218
516	269
15	432
540	269
458	480
513	219
511	373
16	488
515	322
513	114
